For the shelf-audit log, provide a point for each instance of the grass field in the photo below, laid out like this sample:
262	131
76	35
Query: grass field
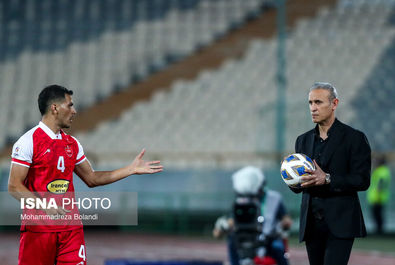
384	244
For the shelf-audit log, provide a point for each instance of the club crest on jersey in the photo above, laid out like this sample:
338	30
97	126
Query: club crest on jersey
69	150
58	186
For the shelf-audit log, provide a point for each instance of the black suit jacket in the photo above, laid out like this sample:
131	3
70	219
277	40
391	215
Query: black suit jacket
347	158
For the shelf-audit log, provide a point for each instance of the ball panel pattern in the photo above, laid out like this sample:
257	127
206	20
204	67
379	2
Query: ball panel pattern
294	167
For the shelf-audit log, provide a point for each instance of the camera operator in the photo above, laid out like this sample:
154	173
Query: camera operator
249	183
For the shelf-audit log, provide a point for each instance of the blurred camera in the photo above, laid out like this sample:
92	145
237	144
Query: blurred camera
248	226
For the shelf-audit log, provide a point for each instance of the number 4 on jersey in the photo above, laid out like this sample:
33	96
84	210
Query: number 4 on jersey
61	166
81	253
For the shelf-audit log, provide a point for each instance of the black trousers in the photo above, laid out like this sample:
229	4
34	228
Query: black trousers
323	248
377	212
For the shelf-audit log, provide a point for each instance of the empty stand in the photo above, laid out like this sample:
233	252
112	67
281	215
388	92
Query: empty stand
98	47
232	109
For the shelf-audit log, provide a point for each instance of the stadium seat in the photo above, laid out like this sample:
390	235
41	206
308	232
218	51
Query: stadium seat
232	109
98	47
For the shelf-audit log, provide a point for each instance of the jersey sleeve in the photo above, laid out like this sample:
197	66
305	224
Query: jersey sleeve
80	156
22	151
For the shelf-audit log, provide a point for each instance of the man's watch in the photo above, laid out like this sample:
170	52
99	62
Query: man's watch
327	178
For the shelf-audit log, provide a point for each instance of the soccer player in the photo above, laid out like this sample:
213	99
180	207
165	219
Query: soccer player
331	216
46	154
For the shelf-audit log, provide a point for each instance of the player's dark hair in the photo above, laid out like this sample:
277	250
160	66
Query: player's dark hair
51	94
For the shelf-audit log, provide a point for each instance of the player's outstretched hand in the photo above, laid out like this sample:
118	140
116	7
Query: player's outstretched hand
56	211
139	166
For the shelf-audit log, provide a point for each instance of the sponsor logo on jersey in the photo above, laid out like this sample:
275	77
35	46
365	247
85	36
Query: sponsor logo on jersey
58	186
69	150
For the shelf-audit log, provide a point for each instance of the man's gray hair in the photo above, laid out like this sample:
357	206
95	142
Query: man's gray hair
327	86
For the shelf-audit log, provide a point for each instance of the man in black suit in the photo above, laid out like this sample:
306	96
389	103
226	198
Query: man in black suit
331	215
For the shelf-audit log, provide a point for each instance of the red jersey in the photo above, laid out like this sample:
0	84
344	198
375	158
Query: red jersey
51	159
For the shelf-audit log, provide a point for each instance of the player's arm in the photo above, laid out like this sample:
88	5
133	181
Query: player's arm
94	178
16	181
18	190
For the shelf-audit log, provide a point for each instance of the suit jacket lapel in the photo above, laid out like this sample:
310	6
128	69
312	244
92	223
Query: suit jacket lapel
310	144
334	141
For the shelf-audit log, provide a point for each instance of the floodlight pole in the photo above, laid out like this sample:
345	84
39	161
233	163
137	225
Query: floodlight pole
281	78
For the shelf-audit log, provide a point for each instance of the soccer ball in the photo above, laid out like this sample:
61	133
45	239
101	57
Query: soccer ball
293	168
